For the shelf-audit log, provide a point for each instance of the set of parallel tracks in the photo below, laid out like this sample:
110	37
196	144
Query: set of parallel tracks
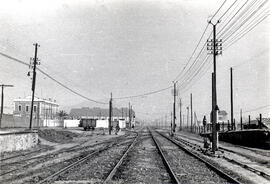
65	150
89	156
165	161
207	163
245	166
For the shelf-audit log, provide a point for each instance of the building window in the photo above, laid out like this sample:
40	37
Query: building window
27	108
35	108
20	108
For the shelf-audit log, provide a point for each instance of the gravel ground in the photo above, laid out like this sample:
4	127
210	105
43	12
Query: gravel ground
242	155
59	136
58	156
255	154
142	165
96	169
188	169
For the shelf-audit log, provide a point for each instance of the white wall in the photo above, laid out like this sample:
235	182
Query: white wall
52	123
71	123
102	124
122	123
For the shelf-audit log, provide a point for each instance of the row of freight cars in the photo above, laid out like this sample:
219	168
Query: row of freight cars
91	124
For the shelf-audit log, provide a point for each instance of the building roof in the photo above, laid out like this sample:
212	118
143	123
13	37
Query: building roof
36	99
96	112
222	112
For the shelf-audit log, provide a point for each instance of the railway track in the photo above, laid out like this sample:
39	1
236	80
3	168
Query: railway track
165	161
254	150
19	170
142	163
23	163
60	175
245	166
207	164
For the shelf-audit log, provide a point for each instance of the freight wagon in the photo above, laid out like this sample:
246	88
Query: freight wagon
88	123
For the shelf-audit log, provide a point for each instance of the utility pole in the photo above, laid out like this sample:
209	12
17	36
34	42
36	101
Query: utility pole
171	124
2	100
191	113
231	97
174	96
129	121
248	121
214	132
215	48
131	115
187	115
180	115
241	119
110	115
165	120
33	83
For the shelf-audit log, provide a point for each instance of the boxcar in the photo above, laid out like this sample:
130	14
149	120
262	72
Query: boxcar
88	123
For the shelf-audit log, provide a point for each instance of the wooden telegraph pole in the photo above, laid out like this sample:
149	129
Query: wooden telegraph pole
187	116
231	98
214	46
191	114
174	116
129	121
241	119
33	83
180	117
110	115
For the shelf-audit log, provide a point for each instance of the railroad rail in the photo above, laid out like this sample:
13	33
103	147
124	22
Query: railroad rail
245	166
165	161
261	151
51	155
85	158
113	171
25	154
207	163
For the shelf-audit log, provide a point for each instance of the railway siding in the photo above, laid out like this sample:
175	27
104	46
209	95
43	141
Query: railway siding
187	168
236	165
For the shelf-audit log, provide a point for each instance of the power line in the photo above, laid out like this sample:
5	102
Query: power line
144	94
232	17
198	69
189	71
47	75
255	109
244	20
199	42
196	72
234	40
227	10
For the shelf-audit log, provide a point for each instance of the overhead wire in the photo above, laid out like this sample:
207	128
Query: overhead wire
223	27
50	77
245	18
248	29
144	94
225	21
197	45
227	10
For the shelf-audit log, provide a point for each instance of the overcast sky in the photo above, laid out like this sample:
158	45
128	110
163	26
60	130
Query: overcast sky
128	48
